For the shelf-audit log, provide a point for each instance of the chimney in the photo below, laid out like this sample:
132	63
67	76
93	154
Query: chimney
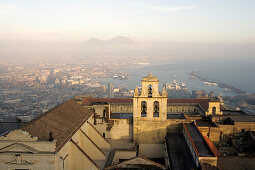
51	136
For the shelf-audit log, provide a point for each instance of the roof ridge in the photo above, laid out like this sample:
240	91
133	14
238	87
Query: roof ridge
44	114
63	120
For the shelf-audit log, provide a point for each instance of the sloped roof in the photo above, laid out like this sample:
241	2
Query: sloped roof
209	143
198	142
20	145
179	153
63	120
137	163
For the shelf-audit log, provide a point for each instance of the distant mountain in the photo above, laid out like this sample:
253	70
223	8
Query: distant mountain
116	40
93	41
120	40
116	46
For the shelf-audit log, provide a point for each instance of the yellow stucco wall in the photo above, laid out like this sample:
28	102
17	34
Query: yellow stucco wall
215	104
38	161
95	136
152	150
79	161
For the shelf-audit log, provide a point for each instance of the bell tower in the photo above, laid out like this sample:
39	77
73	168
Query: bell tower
150	104
149	110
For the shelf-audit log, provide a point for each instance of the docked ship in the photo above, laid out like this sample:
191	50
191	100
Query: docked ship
120	76
143	63
176	86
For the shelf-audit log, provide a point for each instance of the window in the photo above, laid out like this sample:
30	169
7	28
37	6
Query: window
143	109
182	109
121	108
156	109
214	110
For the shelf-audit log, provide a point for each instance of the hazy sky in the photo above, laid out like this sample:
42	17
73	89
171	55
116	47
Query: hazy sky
141	20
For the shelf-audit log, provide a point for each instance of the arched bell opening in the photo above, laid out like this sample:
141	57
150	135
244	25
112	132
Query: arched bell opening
149	90
214	110
143	109
156	109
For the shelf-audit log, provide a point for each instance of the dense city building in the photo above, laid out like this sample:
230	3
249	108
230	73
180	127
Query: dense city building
148	131
110	91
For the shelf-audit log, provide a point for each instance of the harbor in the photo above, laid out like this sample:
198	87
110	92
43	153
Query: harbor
224	86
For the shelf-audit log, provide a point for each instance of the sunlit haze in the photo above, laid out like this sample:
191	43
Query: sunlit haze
163	29
141	20
127	84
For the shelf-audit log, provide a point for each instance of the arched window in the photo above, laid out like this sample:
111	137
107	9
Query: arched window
156	109
214	110
150	91
143	109
121	108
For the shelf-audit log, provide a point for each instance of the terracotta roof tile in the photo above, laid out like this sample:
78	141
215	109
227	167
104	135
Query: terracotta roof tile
89	101
63	121
202	102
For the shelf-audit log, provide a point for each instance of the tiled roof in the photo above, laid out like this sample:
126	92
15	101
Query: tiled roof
209	143
178	151
89	101
202	102
63	121
197	140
